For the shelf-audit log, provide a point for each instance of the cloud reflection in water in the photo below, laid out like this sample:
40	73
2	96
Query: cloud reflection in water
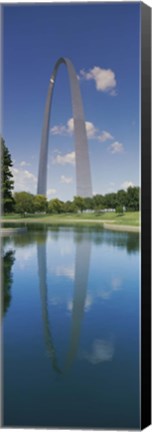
102	351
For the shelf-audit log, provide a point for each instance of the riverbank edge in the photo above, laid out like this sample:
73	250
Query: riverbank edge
8	231
104	223
129	228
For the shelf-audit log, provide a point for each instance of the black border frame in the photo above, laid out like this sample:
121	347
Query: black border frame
145	215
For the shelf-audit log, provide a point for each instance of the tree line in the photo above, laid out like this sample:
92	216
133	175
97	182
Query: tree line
25	202
122	200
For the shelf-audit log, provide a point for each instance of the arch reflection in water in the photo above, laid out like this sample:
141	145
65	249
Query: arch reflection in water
82	260
41	252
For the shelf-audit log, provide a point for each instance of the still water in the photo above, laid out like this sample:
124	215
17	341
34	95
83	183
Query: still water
71	328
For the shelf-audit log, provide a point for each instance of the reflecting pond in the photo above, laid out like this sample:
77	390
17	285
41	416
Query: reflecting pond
71	328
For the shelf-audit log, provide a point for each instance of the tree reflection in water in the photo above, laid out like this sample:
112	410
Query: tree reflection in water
8	259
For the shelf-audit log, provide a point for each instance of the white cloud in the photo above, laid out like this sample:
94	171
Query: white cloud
51	192
70	125
101	351
25	256
68	272
87	305
70	305
113	92
15	171
69	129
105	79
116	147
116	283
105	293
90	128
127	184
29	175
62	129
66	180
24	180
105	136
65	249
68	158
23	163
59	130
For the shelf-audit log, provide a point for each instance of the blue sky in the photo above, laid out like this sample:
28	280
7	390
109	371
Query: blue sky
103	43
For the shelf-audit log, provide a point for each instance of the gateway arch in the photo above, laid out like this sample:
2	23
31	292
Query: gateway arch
83	174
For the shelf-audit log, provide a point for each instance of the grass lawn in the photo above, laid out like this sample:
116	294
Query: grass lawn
127	219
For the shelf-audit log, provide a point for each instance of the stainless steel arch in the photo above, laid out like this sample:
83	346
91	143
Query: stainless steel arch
83	174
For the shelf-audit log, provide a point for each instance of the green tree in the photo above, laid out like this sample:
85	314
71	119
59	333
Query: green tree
122	198
40	203
110	200
88	203
55	206
70	207
98	209
79	203
97	201
24	202
119	210
7	178
133	198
